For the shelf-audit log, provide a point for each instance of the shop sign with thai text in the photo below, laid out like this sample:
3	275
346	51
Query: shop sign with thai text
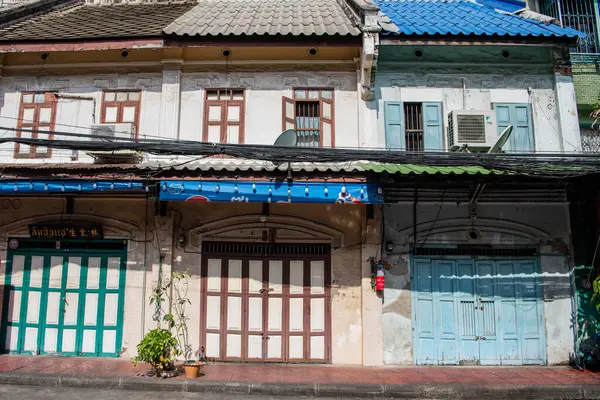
66	231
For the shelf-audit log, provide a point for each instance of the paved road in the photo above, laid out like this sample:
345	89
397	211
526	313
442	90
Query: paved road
10	392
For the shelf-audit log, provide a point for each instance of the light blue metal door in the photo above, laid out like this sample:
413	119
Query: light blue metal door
477	312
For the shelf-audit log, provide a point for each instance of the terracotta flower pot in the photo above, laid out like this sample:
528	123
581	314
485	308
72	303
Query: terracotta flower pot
191	370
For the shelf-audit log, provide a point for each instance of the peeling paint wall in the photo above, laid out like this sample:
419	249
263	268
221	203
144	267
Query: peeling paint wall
490	74
121	219
77	116
125	218
346	296
484	87
179	113
545	226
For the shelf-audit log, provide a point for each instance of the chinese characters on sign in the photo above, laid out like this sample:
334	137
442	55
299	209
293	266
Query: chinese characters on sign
65	232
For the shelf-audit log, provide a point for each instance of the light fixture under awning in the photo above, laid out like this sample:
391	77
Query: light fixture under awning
68	186
270	192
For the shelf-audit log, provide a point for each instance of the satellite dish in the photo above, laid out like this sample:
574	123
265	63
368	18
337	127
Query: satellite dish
496	148
288	138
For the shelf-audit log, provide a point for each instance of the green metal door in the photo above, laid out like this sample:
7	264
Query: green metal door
64	302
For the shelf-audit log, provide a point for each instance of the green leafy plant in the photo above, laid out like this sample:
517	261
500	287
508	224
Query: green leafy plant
160	349
178	318
175	290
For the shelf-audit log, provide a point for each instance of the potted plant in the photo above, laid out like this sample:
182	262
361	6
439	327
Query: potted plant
160	349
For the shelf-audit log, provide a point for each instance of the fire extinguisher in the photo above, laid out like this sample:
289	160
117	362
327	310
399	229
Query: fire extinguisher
379	278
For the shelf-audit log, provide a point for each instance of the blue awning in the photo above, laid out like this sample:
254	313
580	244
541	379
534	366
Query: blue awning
68	186
270	192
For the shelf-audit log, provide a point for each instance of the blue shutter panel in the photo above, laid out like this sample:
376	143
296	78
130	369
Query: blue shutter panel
393	114
522	139
433	139
517	115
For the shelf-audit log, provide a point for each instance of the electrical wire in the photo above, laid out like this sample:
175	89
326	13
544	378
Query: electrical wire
527	164
87	128
435	220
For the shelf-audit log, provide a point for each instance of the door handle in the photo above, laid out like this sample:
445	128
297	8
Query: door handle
261	291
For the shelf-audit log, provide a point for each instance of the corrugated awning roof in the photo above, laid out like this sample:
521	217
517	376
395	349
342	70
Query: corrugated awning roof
193	167
264	17
461	17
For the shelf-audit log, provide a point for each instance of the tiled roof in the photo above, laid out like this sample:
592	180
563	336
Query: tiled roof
461	17
95	21
264	17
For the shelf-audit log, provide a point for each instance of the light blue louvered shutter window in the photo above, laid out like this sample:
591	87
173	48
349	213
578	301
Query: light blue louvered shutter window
393	114
433	139
519	116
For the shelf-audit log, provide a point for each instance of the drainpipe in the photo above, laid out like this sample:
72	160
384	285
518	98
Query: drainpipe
415	220
144	271
464	93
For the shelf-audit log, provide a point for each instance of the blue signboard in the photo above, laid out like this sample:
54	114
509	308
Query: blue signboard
67	186
271	192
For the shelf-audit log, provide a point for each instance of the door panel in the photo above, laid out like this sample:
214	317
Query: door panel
486	317
57	307
274	310
446	312
477	312
424	313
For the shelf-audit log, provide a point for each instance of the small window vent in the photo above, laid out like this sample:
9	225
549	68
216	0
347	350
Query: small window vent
475	251
265	249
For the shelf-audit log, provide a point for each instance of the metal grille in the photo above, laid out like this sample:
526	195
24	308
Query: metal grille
466	250
471	128
308	123
576	14
590	140
413	123
265	249
450	130
77	245
468	325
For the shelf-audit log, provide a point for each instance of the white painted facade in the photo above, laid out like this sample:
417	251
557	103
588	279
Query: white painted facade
355	308
172	104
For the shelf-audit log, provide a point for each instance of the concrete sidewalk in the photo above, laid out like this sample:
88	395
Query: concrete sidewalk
310	380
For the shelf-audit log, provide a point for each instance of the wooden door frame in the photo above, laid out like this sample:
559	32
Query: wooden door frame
306	295
47	255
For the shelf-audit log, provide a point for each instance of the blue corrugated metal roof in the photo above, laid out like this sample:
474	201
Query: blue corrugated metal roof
462	17
504	5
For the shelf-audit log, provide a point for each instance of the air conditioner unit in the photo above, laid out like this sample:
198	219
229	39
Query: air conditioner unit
116	131
475	130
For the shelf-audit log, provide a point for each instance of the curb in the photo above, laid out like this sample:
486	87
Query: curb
408	391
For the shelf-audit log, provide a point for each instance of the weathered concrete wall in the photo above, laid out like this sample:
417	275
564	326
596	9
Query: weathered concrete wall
347	262
77	116
172	104
484	87
121	219
545	226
